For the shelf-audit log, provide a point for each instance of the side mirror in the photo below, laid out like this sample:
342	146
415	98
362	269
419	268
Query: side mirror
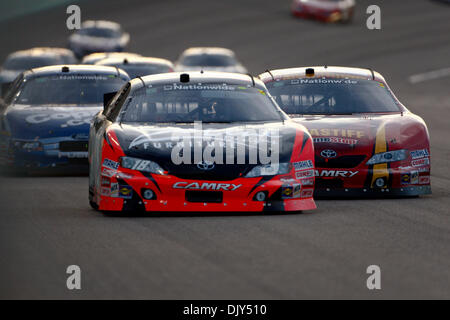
5	88
107	97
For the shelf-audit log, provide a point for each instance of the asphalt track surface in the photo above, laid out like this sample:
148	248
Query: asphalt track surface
46	223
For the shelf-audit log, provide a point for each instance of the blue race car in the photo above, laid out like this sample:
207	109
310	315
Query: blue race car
45	117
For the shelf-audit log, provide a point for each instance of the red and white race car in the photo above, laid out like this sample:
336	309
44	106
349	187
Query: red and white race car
324	10
366	142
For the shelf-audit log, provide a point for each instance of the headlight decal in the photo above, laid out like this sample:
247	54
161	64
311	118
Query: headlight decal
141	165
269	170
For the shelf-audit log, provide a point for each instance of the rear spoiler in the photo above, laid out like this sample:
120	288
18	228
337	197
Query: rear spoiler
107	97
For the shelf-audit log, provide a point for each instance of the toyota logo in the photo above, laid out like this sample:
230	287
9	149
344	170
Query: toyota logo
328	154
205	165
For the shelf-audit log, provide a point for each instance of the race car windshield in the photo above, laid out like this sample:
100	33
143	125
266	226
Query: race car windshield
25	63
68	89
143	69
332	96
100	32
208	60
206	102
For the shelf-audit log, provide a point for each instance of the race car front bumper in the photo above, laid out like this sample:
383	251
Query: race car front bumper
47	154
409	191
124	191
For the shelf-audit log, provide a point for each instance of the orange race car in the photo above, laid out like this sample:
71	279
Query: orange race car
198	141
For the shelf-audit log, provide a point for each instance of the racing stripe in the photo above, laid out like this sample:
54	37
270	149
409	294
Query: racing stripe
150	177
263	180
380	170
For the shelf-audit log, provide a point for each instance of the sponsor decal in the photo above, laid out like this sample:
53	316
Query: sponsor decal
417	154
292	191
307	193
304	174
104	191
420	169
421	162
307	164
205	165
414	177
335	173
286	192
406	178
288	180
410	177
125	192
346	133
110	164
328	154
230	146
323	81
335	140
108	172
199	86
71	118
424	180
122	175
73	155
206	186
307	182
105	182
114	189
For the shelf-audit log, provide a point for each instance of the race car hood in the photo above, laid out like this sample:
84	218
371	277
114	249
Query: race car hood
236	68
357	135
36	122
161	143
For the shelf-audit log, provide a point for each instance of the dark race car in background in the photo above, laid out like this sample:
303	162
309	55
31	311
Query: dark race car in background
22	60
98	36
192	142
366	141
324	10
46	115
138	66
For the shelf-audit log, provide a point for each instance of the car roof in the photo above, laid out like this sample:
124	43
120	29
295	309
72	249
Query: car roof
97	56
208	50
103	24
321	71
75	69
134	60
35	52
59	51
196	77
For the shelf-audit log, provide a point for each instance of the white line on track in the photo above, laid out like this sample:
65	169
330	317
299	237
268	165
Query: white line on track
431	75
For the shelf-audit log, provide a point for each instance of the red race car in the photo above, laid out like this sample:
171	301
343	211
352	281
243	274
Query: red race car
366	141
198	141
324	10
